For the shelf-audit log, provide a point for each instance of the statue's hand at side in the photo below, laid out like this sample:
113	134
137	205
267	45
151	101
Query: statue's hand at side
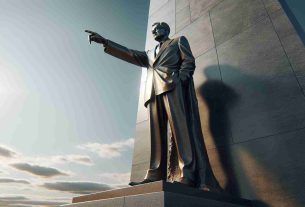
184	78
95	37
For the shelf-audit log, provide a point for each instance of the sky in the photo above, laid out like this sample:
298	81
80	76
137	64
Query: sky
67	109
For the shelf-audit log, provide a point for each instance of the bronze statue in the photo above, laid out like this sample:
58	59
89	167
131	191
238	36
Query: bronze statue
170	98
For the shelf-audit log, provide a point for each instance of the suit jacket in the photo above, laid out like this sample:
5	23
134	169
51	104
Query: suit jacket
173	59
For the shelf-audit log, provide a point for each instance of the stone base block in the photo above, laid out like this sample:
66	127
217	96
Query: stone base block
158	194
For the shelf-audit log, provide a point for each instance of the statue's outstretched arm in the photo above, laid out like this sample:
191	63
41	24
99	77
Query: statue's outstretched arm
132	56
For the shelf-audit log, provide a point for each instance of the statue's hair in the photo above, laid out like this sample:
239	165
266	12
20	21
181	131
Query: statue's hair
164	25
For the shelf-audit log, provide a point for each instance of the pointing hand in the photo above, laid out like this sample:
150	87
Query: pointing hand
95	37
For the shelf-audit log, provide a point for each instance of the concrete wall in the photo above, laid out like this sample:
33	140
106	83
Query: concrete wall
250	82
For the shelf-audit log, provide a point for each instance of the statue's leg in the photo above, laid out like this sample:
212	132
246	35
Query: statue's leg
173	170
175	110
158	134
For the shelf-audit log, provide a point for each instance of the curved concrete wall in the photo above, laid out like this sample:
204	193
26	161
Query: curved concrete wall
250	81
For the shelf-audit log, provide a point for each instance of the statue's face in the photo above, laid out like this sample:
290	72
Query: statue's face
159	32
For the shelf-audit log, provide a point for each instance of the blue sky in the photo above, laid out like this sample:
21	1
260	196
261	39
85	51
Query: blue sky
68	110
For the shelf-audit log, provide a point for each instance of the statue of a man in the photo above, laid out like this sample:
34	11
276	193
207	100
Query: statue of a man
170	98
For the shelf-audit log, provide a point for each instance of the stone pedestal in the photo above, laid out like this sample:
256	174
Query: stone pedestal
158	194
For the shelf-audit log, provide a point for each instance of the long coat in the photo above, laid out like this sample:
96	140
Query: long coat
163	70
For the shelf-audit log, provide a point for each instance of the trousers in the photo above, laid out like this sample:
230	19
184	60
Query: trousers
164	109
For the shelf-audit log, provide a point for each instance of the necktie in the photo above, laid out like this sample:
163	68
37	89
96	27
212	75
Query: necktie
158	49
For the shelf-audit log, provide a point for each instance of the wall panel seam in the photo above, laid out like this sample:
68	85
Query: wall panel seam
215	47
271	135
177	31
246	29
208	11
254	139
218	64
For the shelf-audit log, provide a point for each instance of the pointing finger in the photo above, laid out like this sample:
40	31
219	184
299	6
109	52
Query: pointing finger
88	31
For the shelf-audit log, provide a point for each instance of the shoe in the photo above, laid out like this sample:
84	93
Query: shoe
205	188
185	181
210	189
141	182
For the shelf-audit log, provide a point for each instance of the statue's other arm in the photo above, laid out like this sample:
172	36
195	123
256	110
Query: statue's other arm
188	61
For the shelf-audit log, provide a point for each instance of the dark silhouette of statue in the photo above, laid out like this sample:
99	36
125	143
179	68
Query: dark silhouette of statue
170	98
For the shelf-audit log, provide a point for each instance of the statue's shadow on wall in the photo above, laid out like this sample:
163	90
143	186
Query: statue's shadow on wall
219	98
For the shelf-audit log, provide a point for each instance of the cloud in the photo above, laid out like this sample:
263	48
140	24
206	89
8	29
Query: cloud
38	170
108	150
21	201
14	156
7	152
13	198
79	159
116	178
77	187
10	180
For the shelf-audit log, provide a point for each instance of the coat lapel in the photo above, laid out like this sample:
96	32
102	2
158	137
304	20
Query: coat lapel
163	47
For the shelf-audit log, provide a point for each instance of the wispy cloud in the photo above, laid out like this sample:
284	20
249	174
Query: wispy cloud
10	156
77	187
21	201
13	198
108	150
41	171
78	159
10	180
7	152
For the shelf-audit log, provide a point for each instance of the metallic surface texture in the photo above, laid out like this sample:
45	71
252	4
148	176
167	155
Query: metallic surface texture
171	99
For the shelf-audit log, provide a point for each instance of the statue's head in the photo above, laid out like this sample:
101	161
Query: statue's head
160	31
